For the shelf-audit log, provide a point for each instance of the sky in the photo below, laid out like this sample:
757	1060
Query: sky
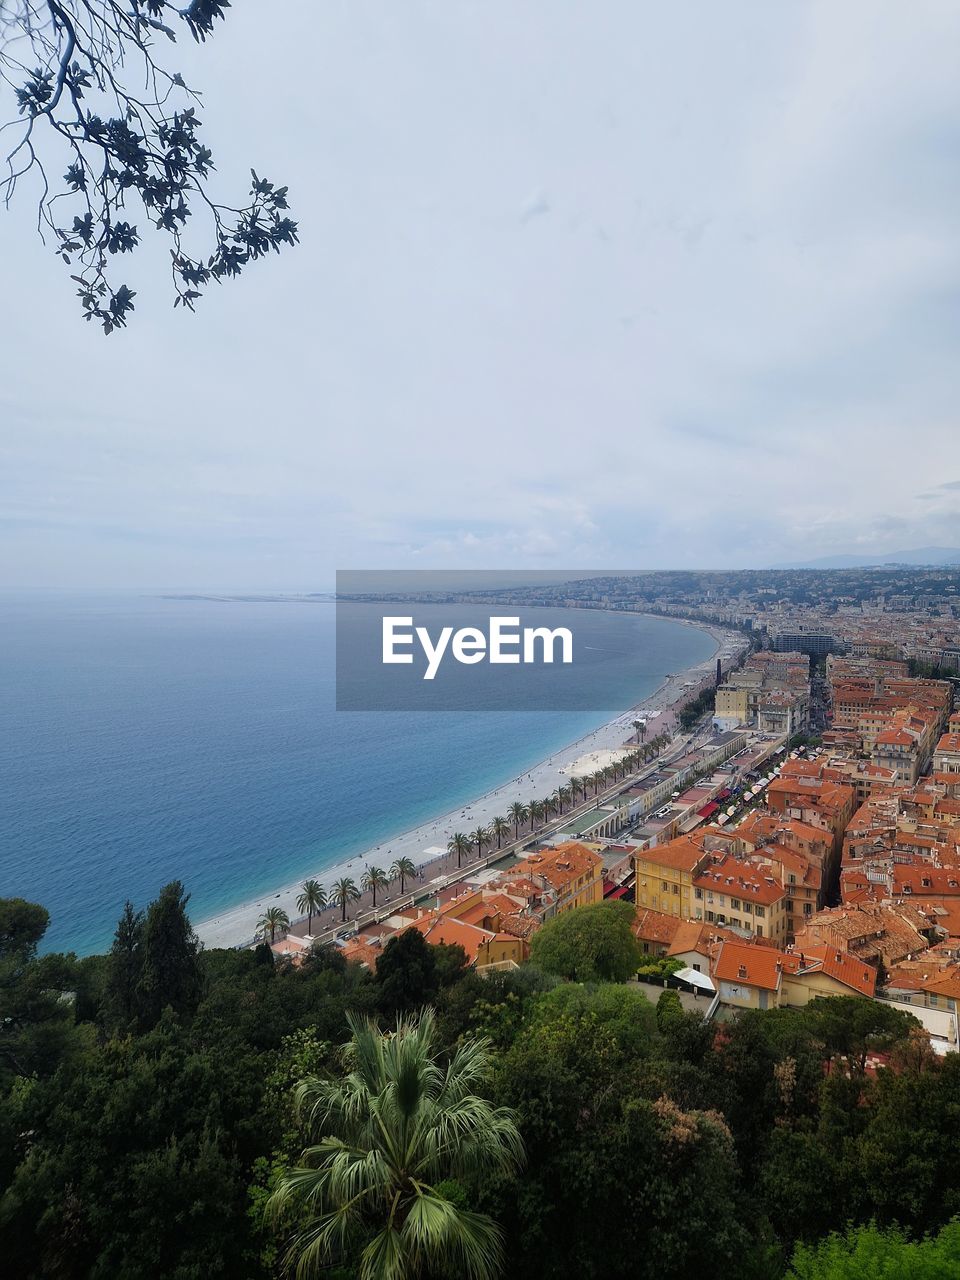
615	284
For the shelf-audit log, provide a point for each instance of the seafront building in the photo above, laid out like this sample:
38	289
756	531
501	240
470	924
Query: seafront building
771	875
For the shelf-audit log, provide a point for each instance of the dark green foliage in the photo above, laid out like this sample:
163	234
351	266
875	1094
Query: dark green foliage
407	974
22	925
589	944
35	1013
169	972
124	969
669	1009
696	709
145	1112
130	138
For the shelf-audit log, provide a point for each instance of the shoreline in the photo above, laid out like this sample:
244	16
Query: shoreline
426	842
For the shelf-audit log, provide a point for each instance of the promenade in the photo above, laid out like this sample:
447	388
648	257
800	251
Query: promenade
426	845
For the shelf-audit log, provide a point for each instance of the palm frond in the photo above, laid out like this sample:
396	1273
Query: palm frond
470	1244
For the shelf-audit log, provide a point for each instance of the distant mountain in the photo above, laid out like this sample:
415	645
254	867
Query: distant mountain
919	557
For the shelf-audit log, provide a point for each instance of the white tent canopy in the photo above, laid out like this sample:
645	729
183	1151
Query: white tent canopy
695	978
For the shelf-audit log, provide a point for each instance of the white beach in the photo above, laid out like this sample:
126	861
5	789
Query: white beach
428	840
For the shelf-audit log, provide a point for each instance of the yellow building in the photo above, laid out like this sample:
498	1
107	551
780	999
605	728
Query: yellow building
747	976
665	876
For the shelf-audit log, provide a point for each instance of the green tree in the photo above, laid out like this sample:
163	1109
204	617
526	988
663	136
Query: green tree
124	969
517	814
852	1027
450	962
403	870
344	892
374	878
481	838
387	1139
500	827
869	1253
273	918
406	973
460	845
34	1021
171	972
311	901
669	1008
577	1074
589	944
141	160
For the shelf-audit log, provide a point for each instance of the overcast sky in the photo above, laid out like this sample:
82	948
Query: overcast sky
580	284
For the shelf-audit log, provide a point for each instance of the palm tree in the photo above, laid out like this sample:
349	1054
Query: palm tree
384	1137
480	837
500	827
273	918
549	805
311	901
597	779
374	878
563	795
343	893
637	726
459	844
535	813
403	870
517	813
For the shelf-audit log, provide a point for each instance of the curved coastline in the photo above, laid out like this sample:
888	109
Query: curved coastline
236	925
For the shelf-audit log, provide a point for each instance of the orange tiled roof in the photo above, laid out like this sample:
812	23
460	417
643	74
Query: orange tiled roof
744	879
836	964
654	926
744	962
561	865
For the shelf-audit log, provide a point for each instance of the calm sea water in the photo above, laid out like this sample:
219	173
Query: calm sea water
143	740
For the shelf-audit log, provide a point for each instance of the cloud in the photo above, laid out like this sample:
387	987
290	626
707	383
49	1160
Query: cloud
720	328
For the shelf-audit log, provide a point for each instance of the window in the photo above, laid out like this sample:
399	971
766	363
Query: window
735	904
710	916
698	894
747	908
676	890
759	930
663	885
759	911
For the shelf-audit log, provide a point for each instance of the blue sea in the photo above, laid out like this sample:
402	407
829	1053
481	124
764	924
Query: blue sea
145	739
